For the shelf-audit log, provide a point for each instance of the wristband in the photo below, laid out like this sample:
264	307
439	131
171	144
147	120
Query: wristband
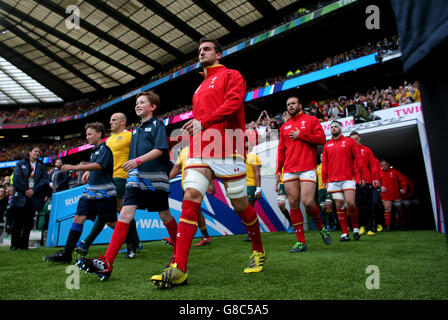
139	161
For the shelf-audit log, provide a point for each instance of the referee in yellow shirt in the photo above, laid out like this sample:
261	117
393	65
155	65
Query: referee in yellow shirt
119	143
180	166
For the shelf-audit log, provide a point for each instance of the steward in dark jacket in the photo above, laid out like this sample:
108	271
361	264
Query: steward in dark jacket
30	183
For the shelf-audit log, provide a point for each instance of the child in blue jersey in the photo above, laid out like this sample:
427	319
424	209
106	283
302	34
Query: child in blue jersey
99	197
147	184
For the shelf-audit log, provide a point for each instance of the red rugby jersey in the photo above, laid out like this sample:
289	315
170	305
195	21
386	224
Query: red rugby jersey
341	160
368	160
218	104
301	154
393	180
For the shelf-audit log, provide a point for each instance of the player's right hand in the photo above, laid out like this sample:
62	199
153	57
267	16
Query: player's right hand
278	177
85	177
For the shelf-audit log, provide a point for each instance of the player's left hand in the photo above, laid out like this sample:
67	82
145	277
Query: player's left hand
294	135
363	183
402	191
192	127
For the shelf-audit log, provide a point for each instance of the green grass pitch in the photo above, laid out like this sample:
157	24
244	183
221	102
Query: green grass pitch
411	265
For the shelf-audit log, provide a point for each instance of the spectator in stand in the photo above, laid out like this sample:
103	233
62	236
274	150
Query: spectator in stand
315	110
324	112
272	132
343	102
387	104
335	111
405	100
262	127
251	133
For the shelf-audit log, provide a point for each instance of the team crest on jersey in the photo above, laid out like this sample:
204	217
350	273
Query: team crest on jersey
212	84
148	129
303	124
330	145
343	144
288	127
119	138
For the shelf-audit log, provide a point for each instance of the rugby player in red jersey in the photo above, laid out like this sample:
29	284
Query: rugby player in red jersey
364	194
297	156
217	150
341	168
393	186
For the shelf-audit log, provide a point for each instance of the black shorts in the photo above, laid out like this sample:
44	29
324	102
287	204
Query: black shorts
376	197
105	209
153	201
364	195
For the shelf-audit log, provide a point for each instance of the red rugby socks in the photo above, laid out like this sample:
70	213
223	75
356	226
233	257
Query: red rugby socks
186	229
354	216
315	215
250	220
120	232
297	223
342	217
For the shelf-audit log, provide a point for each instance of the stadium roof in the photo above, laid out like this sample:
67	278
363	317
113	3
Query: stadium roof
116	42
17	87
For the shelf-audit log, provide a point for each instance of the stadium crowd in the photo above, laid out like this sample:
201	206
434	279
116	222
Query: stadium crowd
35	114
325	110
14	151
331	109
382	47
